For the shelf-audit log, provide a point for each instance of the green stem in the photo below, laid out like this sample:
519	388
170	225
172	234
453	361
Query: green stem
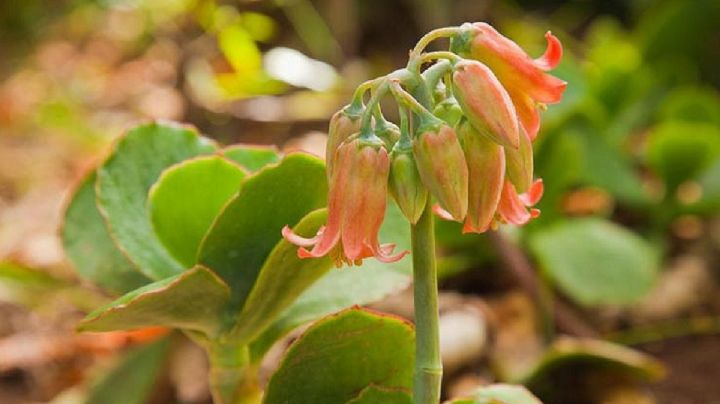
233	379
446	55
378	92
434	73
407	100
414	62
428	366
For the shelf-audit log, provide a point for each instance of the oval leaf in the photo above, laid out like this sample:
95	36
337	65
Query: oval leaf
384	395
192	300
499	394
131	381
343	354
596	262
186	199
123	183
248	228
88	244
252	157
282	279
584	363
340	289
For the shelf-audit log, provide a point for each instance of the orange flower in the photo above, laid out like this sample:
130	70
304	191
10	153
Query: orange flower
356	207
525	79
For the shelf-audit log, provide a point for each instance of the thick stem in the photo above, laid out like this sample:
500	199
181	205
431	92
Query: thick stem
232	377
428	366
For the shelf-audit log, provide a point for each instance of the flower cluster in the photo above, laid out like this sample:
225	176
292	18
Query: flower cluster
465	140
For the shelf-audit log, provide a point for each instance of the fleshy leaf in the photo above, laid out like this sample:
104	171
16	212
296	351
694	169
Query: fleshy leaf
281	280
340	289
376	394
124	180
341	355
681	151
248	228
132	379
595	261
192	300
499	394
186	199
253	158
585	363
91	249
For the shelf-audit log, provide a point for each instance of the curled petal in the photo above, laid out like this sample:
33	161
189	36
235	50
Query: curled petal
383	253
442	213
513	208
301	241
533	195
551	58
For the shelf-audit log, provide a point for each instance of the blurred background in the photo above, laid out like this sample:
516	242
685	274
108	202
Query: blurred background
625	253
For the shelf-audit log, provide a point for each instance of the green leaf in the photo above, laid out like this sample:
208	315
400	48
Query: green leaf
249	227
281	280
124	180
607	167
680	151
192	300
186	199
132	379
595	261
375	394
36	288
342	288
499	394
584	363
692	104
252	158
343	354
89	247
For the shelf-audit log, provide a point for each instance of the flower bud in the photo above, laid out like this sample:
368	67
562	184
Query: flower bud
485	102
442	167
342	125
486	168
520	163
405	184
449	111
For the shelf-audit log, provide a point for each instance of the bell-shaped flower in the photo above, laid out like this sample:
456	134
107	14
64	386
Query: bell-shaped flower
343	124
356	207
517	208
486	167
442	167
525	79
485	102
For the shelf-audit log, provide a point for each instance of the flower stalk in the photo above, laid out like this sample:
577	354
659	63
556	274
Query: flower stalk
428	366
